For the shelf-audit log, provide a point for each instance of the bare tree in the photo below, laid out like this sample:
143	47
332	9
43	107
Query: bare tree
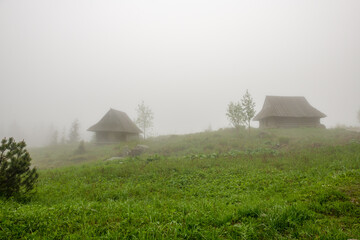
145	117
358	115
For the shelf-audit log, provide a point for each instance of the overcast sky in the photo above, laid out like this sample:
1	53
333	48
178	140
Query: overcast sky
187	59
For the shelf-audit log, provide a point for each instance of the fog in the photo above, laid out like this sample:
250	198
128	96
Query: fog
65	60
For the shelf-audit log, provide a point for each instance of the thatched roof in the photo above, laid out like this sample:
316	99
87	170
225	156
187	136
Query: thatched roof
275	106
115	121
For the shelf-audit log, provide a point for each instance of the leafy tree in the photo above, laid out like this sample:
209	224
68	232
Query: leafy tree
241	113
74	132
145	117
248	108
16	177
235	114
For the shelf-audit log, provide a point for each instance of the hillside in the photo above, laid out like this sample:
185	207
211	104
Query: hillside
221	141
275	184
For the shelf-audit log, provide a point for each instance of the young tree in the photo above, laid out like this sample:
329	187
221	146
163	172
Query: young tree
241	113
74	132
248	108
235	114
145	117
16	177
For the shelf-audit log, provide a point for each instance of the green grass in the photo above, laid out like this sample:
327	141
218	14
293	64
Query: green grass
219	142
201	186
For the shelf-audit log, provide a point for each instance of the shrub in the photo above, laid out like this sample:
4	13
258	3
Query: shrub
284	140
81	148
16	177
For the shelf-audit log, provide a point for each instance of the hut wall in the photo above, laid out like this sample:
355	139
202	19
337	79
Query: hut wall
289	122
132	136
110	137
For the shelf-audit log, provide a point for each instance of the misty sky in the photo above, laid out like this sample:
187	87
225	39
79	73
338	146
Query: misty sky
67	59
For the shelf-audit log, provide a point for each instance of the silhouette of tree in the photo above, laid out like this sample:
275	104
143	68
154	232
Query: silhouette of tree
145	117
74	132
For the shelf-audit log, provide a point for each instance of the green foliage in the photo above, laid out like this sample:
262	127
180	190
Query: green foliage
198	186
16	177
248	106
222	141
284	140
145	117
153	158
241	113
235	114
81	148
212	197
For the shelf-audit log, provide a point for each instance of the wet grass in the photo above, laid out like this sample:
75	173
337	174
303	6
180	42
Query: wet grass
222	141
295	191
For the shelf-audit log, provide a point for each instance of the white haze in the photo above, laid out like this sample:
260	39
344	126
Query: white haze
74	59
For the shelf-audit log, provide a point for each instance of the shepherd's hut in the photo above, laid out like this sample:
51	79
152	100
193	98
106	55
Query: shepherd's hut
115	126
288	112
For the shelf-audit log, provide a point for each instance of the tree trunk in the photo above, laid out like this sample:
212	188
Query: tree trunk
144	133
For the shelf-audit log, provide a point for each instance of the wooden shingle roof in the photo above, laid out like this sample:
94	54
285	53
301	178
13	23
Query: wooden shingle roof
279	106
115	121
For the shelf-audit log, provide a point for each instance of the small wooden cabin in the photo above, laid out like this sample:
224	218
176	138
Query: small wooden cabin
115	126
288	112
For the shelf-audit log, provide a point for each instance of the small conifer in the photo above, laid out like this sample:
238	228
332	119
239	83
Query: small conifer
16	177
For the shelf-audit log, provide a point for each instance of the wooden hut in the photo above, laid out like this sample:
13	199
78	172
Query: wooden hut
115	126
288	112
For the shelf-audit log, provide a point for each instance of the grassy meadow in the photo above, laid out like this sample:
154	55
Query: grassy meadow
273	184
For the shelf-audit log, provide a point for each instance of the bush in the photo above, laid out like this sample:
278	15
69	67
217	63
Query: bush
81	148
16	177
284	140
